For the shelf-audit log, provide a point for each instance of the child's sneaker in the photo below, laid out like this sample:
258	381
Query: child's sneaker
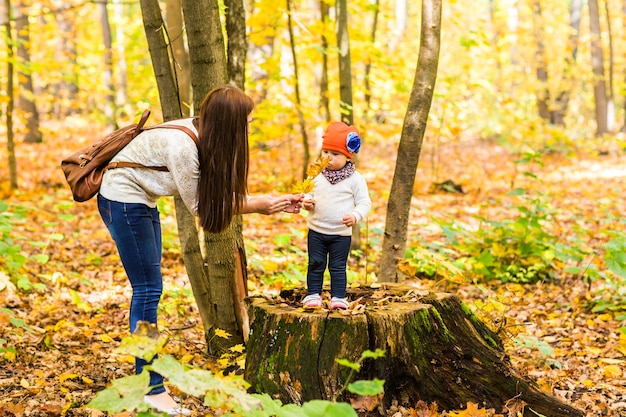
337	303
312	301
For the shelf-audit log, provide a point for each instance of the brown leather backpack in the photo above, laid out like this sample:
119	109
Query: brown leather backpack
84	168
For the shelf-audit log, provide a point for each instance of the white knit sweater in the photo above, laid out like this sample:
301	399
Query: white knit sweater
159	147
333	201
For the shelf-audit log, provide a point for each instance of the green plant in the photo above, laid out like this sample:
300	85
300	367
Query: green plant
432	260
522	249
228	394
18	325
544	349
13	258
362	387
286	264
611	295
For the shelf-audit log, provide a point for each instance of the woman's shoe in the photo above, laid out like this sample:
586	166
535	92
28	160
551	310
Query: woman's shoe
172	411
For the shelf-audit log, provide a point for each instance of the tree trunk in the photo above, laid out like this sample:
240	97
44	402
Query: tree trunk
26	97
107	75
176	32
296	86
345	88
161	64
543	92
624	91
345	71
206	47
562	101
7	17
436	350
324	100
66	90
171	107
597	62
121	66
610	102
399	203
237	43
223	255
368	65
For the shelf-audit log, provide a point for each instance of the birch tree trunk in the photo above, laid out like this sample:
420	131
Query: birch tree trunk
399	203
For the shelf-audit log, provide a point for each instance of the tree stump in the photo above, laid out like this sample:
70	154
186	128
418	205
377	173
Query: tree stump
437	350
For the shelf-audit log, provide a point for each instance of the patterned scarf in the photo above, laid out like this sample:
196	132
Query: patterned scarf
334	177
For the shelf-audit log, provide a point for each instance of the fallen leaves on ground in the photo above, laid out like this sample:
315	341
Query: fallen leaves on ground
76	323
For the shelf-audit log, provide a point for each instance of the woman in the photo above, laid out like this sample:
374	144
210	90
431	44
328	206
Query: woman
210	177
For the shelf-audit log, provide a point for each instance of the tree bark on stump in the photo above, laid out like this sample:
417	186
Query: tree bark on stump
437	350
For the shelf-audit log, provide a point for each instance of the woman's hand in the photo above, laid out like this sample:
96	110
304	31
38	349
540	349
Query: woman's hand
295	203
290	203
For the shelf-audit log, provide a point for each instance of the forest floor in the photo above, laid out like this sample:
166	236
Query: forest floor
79	317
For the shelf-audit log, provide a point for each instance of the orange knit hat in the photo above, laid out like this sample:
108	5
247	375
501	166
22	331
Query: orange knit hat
340	137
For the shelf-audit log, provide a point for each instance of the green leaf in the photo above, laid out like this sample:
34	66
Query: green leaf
141	346
574	270
282	240
320	408
124	394
368	354
56	236
348	364
373	387
42	259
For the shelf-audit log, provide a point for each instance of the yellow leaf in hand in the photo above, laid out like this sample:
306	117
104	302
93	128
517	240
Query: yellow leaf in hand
313	171
317	166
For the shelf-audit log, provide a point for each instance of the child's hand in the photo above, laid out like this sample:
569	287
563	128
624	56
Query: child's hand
349	220
308	204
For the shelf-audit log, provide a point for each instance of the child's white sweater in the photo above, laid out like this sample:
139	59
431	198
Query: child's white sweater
333	201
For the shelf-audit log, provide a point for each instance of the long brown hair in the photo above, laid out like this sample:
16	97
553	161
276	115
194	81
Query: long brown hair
224	157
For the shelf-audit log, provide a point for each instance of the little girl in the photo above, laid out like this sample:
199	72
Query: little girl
341	200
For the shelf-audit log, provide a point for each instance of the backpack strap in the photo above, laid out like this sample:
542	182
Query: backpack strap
144	118
185	129
121	164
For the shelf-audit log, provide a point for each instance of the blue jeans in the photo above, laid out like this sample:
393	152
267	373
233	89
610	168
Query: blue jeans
136	230
331	250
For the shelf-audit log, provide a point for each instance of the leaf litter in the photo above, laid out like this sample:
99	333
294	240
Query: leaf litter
67	354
